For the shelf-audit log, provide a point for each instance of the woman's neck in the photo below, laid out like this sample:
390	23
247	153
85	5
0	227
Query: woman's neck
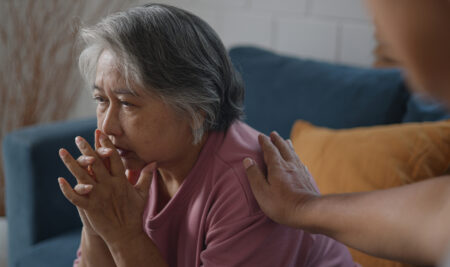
172	175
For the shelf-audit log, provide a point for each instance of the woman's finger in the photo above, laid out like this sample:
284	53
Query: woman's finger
83	189
85	161
98	167
97	141
71	195
145	180
77	171
104	152
116	167
98	146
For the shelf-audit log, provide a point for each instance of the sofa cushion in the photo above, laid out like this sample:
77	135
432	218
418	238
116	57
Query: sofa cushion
281	89
57	251
371	158
419	109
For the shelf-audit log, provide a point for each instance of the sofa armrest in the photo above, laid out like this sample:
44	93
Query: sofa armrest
36	209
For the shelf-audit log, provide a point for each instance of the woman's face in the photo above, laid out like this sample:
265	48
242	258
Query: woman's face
142	127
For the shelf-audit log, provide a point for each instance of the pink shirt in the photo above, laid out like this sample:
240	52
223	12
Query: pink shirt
214	220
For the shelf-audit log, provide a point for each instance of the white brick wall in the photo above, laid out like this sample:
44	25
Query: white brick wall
306	38
337	31
357	42
340	9
244	27
280	6
332	30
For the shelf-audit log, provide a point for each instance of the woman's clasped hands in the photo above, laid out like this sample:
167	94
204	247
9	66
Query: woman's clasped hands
108	204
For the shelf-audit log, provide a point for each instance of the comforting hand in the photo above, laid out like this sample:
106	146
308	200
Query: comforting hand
288	186
109	203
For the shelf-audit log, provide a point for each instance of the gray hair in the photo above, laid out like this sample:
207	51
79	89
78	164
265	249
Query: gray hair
174	54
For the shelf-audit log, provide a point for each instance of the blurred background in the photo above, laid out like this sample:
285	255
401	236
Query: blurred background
40	83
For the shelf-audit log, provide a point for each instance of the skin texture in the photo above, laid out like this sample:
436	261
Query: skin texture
408	223
137	134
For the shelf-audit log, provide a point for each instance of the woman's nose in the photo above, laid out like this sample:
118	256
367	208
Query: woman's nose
111	123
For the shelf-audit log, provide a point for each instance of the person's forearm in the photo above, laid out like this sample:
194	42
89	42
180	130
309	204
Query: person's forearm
408	223
136	251
94	252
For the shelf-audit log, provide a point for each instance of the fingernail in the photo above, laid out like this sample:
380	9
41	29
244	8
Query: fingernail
248	162
79	141
275	132
102	137
290	143
60	181
62	152
89	159
87	187
262	138
104	150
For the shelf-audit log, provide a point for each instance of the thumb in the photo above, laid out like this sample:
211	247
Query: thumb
145	179
255	176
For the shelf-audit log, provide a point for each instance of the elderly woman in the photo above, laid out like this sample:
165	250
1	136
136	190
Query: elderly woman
165	185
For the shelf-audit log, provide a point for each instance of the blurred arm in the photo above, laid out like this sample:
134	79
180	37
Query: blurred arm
408	223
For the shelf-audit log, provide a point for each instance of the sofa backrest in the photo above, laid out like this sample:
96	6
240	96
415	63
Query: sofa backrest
281	89
35	207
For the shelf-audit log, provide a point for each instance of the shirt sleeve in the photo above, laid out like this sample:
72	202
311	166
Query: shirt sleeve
239	234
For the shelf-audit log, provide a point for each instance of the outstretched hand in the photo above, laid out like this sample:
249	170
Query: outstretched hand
288	186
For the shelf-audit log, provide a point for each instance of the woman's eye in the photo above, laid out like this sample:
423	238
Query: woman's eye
127	104
99	99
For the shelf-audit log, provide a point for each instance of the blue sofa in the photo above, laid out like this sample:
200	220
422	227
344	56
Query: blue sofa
44	228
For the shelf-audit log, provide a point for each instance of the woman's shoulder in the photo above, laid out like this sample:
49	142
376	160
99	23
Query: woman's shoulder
239	141
231	189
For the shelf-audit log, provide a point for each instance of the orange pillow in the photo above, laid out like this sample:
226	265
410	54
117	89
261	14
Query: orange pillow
371	158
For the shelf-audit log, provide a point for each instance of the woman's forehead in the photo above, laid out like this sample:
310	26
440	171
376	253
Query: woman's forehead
107	64
109	75
114	81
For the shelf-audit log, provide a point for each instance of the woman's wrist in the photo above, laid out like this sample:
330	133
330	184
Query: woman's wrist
94	250
122	242
135	250
89	232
